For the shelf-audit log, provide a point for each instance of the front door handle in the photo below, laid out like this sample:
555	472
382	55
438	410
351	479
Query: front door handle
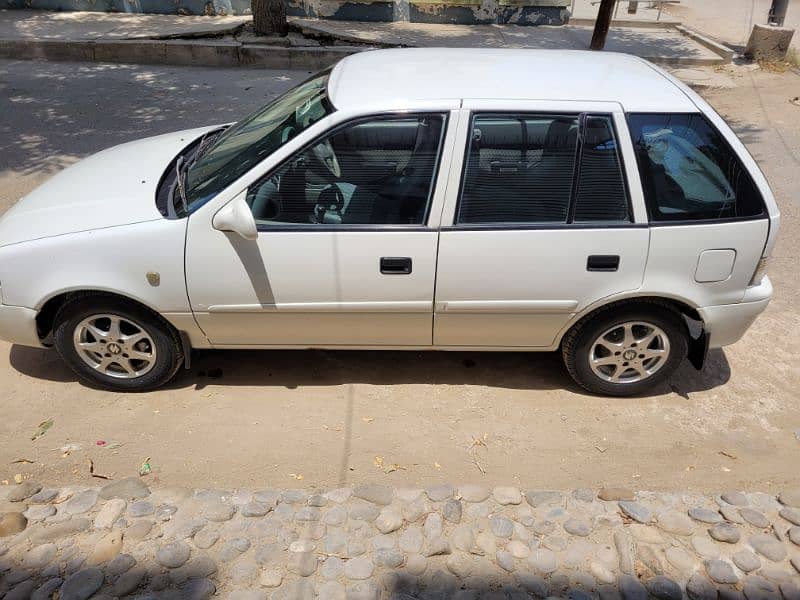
602	262
395	265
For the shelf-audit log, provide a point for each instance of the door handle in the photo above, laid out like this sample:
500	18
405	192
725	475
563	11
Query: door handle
395	265
602	262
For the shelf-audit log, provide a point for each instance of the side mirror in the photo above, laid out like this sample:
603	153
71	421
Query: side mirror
236	217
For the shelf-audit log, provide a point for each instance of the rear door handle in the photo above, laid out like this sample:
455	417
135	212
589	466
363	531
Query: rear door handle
602	262
395	265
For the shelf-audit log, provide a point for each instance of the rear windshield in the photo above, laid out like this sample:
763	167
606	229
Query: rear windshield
688	170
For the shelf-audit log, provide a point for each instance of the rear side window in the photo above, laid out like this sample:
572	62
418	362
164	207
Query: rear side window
524	168
688	170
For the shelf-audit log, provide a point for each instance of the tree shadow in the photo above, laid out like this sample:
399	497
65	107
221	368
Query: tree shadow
297	369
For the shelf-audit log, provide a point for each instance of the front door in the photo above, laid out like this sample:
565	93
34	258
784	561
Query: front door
541	227
345	255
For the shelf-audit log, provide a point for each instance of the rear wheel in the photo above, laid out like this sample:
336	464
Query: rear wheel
625	350
116	344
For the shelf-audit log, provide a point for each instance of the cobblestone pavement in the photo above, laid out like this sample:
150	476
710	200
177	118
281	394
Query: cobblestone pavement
372	541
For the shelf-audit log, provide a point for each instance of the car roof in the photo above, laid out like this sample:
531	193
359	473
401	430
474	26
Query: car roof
387	78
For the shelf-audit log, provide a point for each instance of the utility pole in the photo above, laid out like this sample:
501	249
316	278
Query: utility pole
603	23
777	12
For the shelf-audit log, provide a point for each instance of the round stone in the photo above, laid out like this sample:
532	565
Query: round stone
105	549
518	549
579	527
501	527
12	523
364	511
725	532
138	530
755	518
460	564
636	511
384	542
507	495
377	494
23	491
440	492
331	590
234	547
47	590
198	589
130	488
758	588
81	503
173	555
451	511
39	557
43	496
416	564
308	514
81	585
332	568
705	515
433	526
390	558
721	571
768	547
411	540
731	513
271	497
302	563
705	547
294	496
218	511
141	508
505	560
602	573
473	493
543	560
735	498
109	514
790	514
683	562
794	535
630	588
363	590
255	509
390	519
664	588
700	588
746	561
121	564
358	568
532	583
675	522
39	512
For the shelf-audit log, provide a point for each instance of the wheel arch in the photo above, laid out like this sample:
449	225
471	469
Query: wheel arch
698	335
46	314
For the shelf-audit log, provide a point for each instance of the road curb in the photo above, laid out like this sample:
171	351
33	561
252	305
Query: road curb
208	53
720	49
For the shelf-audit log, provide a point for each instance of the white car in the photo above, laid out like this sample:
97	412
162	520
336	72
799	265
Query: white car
439	199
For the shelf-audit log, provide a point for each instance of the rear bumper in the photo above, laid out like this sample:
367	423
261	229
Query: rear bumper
18	326
726	324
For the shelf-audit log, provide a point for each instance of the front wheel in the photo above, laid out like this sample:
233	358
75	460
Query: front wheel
115	344
625	350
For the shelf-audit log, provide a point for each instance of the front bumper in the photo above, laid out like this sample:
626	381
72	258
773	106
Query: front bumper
726	324
18	326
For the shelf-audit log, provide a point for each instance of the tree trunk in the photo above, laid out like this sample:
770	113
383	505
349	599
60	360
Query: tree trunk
269	16
602	24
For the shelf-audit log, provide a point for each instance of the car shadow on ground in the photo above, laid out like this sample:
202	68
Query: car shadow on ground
302	368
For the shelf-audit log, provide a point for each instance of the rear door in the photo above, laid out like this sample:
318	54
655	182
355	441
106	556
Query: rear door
542	224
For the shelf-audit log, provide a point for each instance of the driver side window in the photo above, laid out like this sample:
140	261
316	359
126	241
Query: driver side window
379	171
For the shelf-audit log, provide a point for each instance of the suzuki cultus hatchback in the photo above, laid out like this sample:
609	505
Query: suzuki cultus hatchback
440	199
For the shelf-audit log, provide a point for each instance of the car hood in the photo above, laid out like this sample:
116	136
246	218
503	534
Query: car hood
113	187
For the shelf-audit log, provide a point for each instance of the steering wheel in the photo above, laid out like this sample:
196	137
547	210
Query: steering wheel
331	199
324	153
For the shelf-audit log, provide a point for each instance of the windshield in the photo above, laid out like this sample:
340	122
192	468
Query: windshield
252	139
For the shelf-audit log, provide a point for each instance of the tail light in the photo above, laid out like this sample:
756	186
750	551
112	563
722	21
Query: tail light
761	270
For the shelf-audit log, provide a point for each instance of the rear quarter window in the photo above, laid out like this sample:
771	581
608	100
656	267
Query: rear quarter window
689	172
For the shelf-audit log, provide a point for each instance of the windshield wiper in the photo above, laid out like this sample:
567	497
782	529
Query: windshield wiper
179	183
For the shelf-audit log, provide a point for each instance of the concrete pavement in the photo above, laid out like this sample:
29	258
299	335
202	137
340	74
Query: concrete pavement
222	41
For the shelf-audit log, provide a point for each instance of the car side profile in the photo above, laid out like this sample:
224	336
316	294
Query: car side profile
440	199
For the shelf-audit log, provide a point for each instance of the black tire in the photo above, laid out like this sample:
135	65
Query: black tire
168	349
577	346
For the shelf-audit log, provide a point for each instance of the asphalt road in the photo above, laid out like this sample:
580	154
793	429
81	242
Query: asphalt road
256	419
